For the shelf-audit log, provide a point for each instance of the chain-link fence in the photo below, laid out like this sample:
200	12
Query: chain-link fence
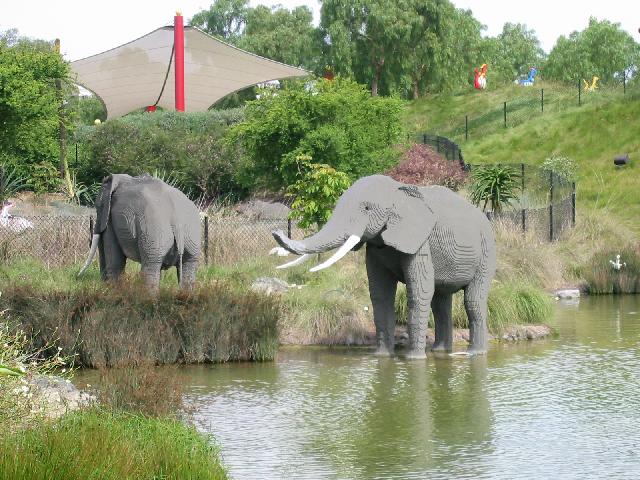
536	101
65	240
545	204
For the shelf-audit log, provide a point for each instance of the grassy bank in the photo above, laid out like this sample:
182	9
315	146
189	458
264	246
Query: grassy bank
104	325
101	444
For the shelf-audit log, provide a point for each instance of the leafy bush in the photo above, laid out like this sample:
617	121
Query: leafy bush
496	185
316	192
44	178
187	146
337	123
422	165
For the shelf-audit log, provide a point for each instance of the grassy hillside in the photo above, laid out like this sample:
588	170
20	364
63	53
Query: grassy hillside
607	124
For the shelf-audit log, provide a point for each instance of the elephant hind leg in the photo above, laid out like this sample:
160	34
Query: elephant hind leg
112	258
151	273
476	297
441	306
189	267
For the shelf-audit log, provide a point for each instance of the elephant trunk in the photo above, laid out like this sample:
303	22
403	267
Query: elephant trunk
92	253
330	236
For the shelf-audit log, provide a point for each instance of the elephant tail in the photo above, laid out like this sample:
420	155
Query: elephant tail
178	238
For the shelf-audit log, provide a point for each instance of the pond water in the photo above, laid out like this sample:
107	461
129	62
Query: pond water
566	407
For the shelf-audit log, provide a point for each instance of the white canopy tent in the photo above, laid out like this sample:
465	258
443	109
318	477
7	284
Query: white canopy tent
131	76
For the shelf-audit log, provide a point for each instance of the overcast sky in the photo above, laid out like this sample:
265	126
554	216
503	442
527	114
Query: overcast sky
87	27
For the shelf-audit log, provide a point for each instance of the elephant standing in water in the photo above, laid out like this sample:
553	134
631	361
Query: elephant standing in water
144	219
429	238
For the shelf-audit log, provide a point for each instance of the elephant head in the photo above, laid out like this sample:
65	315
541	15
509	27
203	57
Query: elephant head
374	209
103	208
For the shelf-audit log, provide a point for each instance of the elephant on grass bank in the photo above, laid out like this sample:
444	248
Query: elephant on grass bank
144	219
429	238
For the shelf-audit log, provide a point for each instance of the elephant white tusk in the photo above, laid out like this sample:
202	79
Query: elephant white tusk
297	261
92	253
351	242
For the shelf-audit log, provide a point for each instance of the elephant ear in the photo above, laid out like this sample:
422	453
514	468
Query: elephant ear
103	202
410	222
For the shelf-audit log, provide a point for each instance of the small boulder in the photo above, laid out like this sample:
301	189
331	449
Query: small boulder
567	293
269	285
54	396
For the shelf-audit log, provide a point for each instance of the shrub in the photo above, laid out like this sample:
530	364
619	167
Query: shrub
337	123
316	192
422	165
186	145
496	185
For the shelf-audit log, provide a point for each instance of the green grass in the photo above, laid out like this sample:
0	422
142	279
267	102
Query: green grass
591	135
106	445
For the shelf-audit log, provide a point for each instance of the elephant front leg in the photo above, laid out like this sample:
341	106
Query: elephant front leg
151	273
418	271
382	291
441	306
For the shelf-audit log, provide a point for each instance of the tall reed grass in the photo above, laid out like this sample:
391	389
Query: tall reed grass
115	324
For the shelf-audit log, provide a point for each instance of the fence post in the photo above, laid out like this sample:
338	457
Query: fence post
624	82
579	93
573	204
523	213
289	227
522	176
466	127
505	114
551	206
90	230
424	139
542	99
206	239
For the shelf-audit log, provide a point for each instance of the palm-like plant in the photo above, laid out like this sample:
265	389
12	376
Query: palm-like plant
496	185
11	182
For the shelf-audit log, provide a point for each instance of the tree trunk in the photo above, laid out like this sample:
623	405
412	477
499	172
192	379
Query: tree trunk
415	91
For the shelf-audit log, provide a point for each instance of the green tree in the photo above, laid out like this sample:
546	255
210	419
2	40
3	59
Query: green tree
315	192
336	122
225	19
29	101
364	36
602	49
512	53
282	35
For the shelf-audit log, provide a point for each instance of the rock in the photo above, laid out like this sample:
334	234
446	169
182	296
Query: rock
54	396
259	209
269	285
567	293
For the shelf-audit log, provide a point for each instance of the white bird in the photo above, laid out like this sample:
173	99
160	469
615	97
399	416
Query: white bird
617	265
13	223
279	251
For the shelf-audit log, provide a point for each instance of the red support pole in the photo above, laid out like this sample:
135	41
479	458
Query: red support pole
178	41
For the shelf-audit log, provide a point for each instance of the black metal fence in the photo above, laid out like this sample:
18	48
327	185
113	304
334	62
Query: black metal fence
535	102
546	203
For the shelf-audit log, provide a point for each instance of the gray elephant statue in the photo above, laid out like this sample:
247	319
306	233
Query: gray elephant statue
429	238
144	219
